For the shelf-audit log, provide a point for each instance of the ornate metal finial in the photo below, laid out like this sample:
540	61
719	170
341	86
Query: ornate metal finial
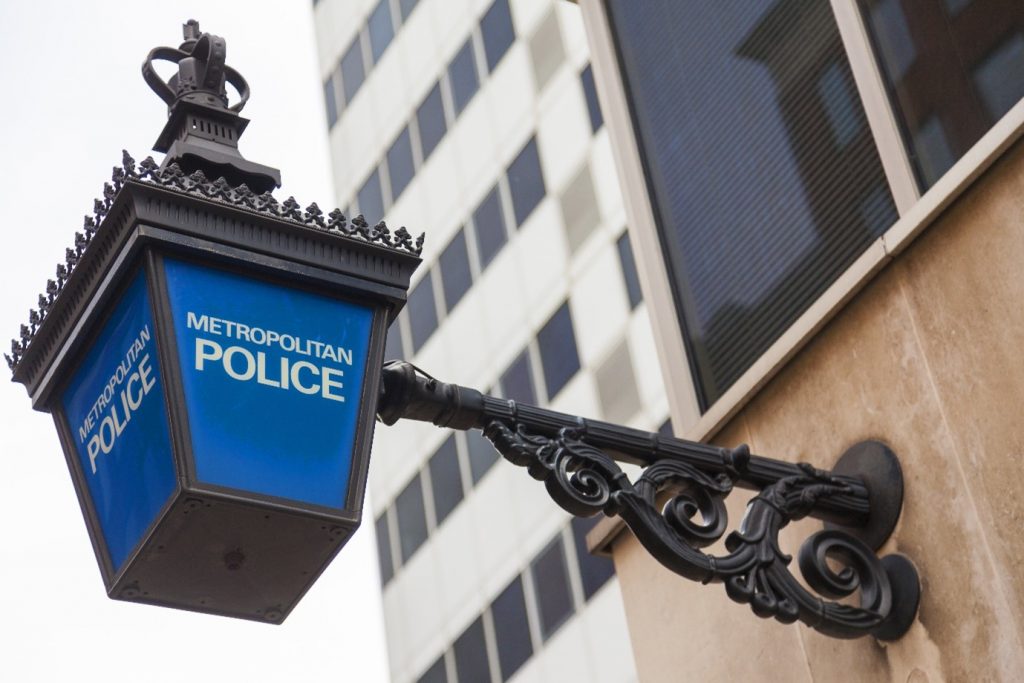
202	72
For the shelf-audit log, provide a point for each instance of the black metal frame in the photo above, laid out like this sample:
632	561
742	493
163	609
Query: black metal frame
676	506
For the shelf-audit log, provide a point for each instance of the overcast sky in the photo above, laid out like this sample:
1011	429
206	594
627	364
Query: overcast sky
73	99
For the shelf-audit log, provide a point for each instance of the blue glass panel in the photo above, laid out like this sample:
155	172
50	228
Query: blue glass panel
590	93
526	182
371	198
353	72
400	165
273	378
117	415
330	104
380	29
462	76
431	121
489	223
498	32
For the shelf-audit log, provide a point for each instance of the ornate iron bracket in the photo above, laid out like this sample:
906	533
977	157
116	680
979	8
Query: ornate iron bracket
577	459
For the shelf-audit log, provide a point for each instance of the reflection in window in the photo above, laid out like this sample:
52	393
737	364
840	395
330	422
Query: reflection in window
371	199
551	584
431	122
558	356
489	223
471	654
422	312
511	629
967	71
590	93
400	165
412	524
462	76
445	479
498	32
526	182
629	273
757	203
380	29
456	278
352	72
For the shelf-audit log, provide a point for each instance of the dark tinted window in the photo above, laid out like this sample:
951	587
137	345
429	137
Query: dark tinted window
629	271
953	70
380	29
517	382
400	164
330	104
558	356
666	428
370	198
471	654
482	454
763	172
456	278
551	583
412	523
422	312
406	7
590	93
352	71
435	674
393	344
445	479
526	182
430	118
387	568
489	222
511	629
498	33
462	76
594	571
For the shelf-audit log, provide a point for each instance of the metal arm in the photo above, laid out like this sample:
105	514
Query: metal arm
576	459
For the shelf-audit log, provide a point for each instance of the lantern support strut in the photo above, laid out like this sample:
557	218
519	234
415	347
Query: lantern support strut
676	506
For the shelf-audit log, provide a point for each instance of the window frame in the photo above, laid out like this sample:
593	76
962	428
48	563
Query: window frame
916	212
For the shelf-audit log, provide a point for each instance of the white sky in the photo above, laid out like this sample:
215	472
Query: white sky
73	98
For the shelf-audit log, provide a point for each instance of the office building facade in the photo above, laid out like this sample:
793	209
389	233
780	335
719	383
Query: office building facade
477	122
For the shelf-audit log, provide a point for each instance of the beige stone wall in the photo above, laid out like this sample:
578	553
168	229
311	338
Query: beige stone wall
928	358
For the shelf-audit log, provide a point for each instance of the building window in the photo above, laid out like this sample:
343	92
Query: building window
616	385
387	566
950	77
393	343
764	177
430	120
330	104
511	629
551	584
422	312
526	182
412	523
517	381
580	211
435	674
482	454
470	651
406	7
546	50
498	32
629	274
380	28
590	94
371	199
557	344
594	571
352	70
456	278
489	225
400	164
462	76
445	479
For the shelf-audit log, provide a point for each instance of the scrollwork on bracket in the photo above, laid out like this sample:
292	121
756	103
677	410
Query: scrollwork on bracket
585	481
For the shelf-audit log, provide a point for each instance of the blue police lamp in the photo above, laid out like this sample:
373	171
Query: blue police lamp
212	359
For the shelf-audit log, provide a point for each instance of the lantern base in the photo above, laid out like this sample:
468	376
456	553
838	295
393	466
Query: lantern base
211	553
